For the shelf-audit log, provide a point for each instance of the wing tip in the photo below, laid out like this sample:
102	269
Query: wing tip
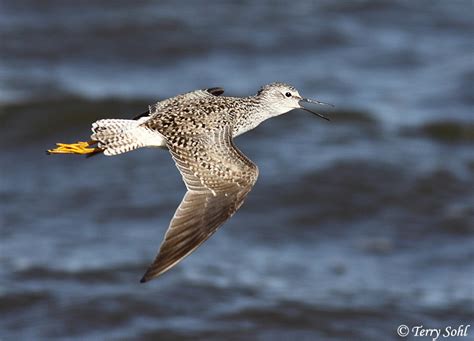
147	276
150	274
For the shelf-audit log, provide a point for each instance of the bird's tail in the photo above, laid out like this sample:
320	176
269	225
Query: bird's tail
112	137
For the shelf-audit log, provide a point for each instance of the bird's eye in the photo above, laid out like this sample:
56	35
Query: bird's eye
288	94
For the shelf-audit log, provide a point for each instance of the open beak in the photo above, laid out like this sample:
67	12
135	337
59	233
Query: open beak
307	100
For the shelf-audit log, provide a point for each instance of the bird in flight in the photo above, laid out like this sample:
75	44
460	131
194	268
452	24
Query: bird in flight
198	128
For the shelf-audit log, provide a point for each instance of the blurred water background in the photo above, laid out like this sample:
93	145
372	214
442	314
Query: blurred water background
354	227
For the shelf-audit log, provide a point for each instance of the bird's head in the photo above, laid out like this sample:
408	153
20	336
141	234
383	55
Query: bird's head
281	98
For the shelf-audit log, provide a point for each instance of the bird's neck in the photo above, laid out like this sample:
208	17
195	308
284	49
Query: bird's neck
257	111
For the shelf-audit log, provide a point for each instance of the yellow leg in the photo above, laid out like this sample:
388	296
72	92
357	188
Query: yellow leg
81	148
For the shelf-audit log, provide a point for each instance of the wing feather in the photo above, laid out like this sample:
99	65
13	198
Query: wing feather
193	94
216	189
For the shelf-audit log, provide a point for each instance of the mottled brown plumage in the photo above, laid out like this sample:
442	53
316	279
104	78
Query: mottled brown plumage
218	177
198	129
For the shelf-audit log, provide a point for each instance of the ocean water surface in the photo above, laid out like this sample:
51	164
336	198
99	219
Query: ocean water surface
354	227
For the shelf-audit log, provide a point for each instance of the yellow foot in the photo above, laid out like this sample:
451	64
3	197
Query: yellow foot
81	148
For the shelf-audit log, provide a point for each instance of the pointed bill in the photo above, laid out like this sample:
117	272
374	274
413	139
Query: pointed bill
307	100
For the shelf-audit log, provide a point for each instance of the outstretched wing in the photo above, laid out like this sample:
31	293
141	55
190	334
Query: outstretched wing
218	178
193	94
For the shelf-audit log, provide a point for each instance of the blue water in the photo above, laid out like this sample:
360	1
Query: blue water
354	227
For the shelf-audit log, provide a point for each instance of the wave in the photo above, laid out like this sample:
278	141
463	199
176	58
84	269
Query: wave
36	120
444	131
351	190
107	275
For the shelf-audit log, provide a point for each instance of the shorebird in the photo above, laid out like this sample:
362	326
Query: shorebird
198	129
